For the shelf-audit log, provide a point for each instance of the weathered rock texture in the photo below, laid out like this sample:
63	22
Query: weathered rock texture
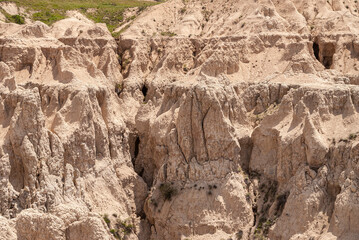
204	120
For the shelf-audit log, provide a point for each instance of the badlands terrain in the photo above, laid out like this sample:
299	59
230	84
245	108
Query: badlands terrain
202	119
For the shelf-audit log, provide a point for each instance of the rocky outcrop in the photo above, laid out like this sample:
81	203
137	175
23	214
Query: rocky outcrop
63	139
230	121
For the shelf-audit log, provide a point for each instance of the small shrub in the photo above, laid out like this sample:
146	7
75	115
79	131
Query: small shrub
125	63
248	197
126	228
118	88
263	227
185	68
131	18
107	220
153	202
16	19
167	191
206	14
352	136
142	8
115	233
168	34
245	175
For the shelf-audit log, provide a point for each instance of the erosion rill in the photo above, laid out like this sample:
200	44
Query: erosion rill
205	119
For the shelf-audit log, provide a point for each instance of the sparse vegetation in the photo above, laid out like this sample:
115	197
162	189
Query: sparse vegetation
107	220
104	11
117	34
168	34
352	136
269	111
263	228
167	191
185	68
245	175
248	197
118	88
206	14
125	227
16	19
125	63
121	228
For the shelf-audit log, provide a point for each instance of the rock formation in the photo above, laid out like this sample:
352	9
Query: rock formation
206	119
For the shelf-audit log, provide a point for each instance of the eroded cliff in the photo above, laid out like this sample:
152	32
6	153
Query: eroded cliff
204	120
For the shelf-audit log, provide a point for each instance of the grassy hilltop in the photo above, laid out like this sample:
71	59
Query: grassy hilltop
104	11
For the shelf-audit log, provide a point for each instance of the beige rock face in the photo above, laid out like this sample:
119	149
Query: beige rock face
62	140
204	120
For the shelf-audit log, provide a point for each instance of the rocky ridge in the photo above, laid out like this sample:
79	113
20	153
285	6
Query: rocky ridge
204	120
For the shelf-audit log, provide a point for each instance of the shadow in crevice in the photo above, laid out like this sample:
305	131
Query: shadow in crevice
316	50
324	53
134	141
144	91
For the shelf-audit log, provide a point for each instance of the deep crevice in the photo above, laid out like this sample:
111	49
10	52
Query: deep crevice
144	90
135	142
142	215
281	201
324	53
316	50
136	150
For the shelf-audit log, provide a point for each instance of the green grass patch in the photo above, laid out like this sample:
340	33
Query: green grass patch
168	34
18	19
101	11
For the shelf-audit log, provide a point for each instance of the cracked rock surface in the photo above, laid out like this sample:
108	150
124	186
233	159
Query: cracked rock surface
204	120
